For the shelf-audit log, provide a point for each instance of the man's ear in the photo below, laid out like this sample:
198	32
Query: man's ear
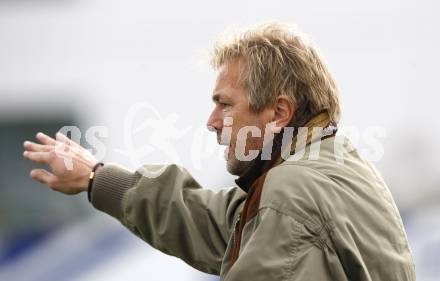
283	111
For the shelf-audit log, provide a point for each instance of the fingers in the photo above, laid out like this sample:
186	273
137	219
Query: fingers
43	176
45	139
35	147
38	157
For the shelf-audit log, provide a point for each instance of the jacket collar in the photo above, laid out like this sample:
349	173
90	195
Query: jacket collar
279	149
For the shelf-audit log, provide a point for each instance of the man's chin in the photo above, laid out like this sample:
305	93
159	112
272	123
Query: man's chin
232	164
236	167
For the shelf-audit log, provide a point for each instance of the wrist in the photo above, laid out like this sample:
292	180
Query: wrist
95	169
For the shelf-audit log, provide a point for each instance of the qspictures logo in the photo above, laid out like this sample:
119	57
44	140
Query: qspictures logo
146	132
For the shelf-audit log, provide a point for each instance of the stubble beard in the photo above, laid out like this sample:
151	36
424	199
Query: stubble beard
233	165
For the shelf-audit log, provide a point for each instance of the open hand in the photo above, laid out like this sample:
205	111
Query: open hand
69	162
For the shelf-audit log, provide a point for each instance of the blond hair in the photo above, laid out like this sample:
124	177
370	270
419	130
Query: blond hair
279	60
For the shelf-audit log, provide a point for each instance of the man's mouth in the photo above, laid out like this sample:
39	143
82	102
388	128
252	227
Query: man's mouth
226	153
223	141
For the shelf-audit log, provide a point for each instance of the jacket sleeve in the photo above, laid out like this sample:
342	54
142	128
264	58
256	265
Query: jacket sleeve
169	210
278	248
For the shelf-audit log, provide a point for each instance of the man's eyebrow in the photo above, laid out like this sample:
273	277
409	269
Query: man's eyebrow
217	96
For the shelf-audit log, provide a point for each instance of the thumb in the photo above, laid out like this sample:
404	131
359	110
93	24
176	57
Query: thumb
43	177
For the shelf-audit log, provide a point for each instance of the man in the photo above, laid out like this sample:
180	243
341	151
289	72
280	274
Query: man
307	206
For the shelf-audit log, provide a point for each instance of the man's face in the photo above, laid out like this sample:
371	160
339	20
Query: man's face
232	104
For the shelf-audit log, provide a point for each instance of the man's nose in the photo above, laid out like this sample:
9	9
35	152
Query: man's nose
215	121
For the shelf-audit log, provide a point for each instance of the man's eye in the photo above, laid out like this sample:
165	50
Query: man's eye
223	105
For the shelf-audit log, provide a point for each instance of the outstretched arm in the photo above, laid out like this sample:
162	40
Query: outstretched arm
170	210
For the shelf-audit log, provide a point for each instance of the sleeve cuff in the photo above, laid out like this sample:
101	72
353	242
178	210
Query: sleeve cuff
109	186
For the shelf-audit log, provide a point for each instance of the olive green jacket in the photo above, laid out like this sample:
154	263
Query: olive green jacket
305	219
